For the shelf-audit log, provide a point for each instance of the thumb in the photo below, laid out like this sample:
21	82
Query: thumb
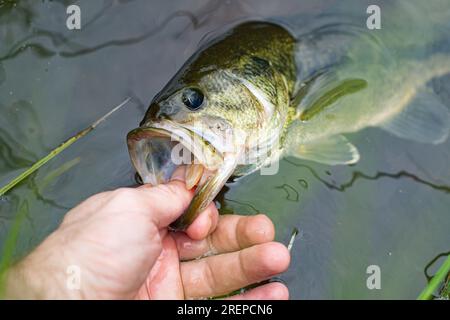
168	201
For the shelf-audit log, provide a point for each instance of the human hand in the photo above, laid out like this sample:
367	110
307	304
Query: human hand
120	242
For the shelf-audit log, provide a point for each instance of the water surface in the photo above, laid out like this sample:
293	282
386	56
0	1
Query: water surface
391	209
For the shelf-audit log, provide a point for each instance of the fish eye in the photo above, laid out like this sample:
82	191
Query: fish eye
192	98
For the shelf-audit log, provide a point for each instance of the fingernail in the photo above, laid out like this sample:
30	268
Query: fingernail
178	174
276	279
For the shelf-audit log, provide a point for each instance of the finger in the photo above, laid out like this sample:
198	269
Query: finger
221	274
269	291
164	280
168	201
233	233
204	224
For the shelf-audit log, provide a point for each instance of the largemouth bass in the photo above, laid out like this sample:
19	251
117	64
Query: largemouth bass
251	96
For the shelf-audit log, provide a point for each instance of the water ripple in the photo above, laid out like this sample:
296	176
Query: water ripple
356	175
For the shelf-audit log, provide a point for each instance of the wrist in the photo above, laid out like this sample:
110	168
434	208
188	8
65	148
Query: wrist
38	276
17	285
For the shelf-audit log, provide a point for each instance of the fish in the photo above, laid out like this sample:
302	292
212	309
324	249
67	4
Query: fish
257	92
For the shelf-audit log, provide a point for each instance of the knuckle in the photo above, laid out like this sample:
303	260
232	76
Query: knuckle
124	194
211	281
275	257
261	228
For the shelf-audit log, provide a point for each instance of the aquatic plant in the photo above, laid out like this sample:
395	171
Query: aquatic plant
436	281
57	151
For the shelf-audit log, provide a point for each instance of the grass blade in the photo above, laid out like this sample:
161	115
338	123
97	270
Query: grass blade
58	150
291	241
10	244
437	279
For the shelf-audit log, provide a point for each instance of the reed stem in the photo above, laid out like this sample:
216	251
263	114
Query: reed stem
58	150
437	279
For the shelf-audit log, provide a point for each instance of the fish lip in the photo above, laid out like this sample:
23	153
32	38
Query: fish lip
220	164
203	151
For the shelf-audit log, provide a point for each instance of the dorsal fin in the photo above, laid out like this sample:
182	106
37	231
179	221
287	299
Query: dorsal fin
208	38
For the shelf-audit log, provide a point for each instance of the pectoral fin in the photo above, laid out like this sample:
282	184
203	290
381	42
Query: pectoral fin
425	119
322	92
333	150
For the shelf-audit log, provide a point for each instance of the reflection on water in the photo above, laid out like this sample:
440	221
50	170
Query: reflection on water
432	264
58	39
20	136
390	209
2	74
291	193
360	175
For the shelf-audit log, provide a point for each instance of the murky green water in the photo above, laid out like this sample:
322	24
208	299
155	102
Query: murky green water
390	210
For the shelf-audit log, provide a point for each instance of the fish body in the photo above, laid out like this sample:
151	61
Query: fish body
255	94
370	88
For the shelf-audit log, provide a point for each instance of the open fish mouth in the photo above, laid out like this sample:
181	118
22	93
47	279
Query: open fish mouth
158	149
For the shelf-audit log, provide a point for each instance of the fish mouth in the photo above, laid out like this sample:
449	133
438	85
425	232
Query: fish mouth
158	149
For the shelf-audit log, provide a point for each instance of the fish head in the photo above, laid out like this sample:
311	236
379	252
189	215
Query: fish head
203	124
212	114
